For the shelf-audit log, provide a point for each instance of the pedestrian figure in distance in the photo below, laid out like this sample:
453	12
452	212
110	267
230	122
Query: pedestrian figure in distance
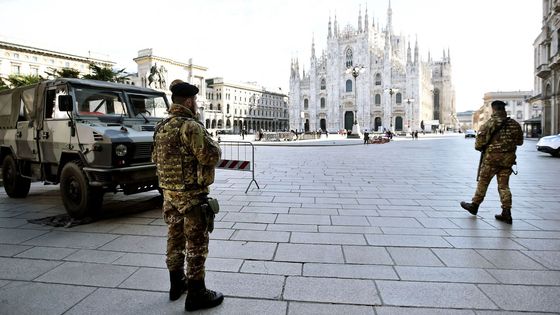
366	137
186	156
497	140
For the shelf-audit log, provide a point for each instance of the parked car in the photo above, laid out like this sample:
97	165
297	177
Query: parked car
469	133
550	144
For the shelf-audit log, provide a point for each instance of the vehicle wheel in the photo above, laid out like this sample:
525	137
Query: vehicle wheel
80	199
556	153
15	185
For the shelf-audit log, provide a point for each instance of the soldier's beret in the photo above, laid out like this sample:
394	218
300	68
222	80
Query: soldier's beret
498	104
184	89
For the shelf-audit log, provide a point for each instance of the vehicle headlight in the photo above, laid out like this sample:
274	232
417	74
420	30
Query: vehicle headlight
121	150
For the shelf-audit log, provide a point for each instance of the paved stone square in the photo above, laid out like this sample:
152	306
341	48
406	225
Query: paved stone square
333	229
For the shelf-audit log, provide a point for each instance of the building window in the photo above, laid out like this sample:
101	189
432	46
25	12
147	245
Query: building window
377	99
322	102
16	69
211	107
16	56
349	58
34	71
399	98
348	85
305	104
519	114
34	58
323	84
219	106
378	79
227	109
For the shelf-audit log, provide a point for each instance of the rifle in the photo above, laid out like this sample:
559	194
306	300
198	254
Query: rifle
492	136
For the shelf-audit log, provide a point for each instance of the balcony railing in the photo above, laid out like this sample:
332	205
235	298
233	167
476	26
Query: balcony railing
543	71
555	61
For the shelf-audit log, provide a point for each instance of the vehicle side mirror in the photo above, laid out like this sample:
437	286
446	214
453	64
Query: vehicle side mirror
65	103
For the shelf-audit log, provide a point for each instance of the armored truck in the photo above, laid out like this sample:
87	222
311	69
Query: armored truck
91	137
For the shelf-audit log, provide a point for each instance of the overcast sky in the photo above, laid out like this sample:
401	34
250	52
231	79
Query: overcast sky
251	40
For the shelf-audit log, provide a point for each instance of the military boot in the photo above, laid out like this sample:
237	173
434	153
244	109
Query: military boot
178	284
472	208
198	297
505	216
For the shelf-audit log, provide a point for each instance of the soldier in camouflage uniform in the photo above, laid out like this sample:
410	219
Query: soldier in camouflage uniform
497	140
185	156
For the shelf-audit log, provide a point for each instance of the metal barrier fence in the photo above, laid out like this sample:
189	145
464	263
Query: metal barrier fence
238	156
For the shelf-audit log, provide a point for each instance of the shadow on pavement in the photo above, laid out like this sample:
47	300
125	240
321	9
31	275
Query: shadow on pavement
111	209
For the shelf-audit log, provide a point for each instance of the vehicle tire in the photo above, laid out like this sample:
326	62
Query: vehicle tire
79	198
556	153
15	185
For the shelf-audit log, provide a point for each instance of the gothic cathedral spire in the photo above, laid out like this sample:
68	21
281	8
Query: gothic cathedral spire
366	22
330	30
389	18
360	20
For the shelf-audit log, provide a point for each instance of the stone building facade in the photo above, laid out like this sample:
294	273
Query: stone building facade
26	60
244	106
547	68
518	107
395	89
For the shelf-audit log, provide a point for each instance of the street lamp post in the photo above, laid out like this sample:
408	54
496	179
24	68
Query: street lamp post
391	92
355	71
410	113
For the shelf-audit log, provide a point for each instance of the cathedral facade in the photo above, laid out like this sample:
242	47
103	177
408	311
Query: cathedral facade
370	77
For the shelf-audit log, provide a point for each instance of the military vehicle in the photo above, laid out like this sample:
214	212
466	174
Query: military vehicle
91	137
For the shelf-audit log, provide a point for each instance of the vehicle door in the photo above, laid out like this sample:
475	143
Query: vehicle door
26	144
54	134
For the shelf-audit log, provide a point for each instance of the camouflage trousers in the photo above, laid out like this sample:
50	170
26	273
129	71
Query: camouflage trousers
487	172
187	231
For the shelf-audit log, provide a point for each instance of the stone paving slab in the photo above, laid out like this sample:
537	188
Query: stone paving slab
444	274
309	253
47	253
349	271
272	267
345	291
24	269
18	236
515	298
18	298
11	250
246	285
296	308
448	295
72	240
388	310
101	275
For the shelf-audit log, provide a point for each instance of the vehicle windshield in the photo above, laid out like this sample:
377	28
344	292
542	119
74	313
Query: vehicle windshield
146	105
110	104
92	102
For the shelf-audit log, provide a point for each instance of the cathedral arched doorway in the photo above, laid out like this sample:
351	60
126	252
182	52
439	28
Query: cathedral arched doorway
377	124
323	124
348	120
398	123
306	126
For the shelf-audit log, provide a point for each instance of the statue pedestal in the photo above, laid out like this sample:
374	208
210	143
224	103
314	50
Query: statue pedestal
355	132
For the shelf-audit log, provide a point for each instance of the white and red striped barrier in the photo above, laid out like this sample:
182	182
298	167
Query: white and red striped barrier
235	165
238	156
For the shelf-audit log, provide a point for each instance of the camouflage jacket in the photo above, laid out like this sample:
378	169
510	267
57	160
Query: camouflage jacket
499	149
184	153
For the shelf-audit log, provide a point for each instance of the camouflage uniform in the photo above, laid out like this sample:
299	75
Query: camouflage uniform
185	157
499	156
